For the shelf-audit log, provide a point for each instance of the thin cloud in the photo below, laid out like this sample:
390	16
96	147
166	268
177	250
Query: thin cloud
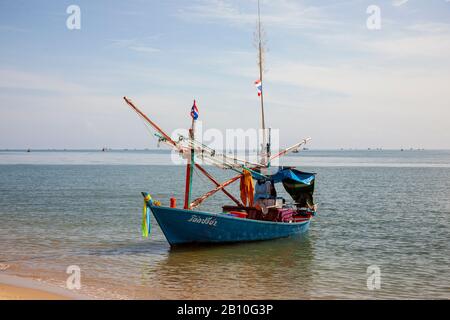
137	45
436	46
8	28
25	80
144	49
430	27
286	13
399	3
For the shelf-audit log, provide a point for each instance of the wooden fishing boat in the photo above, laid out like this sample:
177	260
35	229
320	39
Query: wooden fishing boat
258	215
186	226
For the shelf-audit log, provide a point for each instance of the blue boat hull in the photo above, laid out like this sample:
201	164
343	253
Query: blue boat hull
186	227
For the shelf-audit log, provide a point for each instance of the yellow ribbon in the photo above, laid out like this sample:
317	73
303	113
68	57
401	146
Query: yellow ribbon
145	226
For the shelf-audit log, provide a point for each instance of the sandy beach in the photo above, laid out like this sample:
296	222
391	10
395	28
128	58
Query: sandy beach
16	288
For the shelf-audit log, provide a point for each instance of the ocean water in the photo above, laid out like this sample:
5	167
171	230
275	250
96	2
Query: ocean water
384	209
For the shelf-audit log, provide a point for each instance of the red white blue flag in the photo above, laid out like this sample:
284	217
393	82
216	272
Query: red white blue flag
258	85
194	111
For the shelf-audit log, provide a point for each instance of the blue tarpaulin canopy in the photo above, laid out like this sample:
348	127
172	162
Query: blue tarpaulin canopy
299	184
292	174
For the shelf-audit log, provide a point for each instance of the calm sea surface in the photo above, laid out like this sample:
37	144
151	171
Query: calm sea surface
388	209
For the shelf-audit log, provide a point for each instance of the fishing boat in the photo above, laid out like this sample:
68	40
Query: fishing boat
259	214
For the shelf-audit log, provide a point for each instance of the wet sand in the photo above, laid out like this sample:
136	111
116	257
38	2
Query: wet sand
16	288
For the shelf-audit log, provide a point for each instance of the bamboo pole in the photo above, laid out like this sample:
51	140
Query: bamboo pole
198	201
202	170
154	125
291	148
189	171
260	62
191	162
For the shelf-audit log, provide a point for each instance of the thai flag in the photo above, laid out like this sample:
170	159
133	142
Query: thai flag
194	111
258	85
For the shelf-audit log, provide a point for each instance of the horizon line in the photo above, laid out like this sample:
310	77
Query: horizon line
169	150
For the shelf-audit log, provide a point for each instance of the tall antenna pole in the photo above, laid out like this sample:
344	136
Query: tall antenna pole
260	63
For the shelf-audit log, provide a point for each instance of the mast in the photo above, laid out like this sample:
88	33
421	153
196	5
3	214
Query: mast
264	151
189	170
192	147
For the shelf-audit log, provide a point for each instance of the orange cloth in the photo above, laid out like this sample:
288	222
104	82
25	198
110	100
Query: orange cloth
247	188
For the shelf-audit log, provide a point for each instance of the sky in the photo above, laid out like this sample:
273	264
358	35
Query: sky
327	75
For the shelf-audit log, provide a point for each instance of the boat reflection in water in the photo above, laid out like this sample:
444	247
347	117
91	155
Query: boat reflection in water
278	269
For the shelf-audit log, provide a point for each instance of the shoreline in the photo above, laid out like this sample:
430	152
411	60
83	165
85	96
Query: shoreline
19	288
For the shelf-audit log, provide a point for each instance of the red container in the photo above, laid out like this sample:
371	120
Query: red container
239	214
173	202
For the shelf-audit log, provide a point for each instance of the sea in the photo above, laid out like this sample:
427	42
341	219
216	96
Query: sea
382	230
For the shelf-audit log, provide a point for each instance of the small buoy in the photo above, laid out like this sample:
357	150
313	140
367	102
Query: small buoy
173	202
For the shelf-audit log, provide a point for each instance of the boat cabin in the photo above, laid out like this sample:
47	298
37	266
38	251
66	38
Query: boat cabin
264	204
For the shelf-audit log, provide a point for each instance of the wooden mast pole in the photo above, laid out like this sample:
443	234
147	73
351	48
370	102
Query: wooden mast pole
154	125
260	63
189	169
